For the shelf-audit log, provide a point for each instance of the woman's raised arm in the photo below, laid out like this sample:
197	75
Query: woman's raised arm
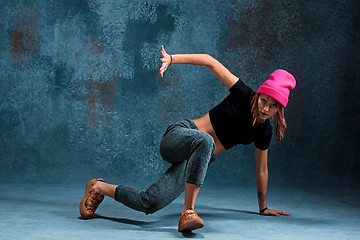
221	72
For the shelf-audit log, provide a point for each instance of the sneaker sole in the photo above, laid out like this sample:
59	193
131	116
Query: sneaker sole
83	212
189	226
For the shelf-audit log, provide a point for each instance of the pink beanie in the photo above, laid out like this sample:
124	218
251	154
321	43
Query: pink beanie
278	86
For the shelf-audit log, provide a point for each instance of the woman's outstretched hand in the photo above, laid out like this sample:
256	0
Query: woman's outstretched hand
269	212
166	60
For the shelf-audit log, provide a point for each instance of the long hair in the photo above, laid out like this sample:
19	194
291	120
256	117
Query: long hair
279	119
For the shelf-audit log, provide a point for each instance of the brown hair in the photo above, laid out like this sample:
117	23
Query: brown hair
279	119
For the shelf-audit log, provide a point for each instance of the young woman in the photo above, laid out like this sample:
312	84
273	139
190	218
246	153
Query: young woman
191	145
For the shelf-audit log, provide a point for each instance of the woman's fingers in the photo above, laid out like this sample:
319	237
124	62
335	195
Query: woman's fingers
162	69
280	212
284	213
163	49
163	52
270	212
162	72
275	213
165	61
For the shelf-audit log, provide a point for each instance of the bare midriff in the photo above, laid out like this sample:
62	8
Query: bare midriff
204	124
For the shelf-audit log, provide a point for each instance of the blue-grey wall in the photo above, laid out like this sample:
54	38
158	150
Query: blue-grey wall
80	94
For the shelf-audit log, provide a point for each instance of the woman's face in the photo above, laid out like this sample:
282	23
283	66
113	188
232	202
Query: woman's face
267	107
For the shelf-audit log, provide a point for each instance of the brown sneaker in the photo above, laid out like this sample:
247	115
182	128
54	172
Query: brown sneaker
91	199
189	220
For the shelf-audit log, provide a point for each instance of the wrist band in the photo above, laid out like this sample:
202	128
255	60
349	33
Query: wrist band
170	60
263	210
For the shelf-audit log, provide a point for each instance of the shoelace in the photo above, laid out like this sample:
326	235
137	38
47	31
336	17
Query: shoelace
188	215
92	202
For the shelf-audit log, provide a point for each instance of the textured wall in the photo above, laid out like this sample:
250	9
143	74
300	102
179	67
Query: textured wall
81	96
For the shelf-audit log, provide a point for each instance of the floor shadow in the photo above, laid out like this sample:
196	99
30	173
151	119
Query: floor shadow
230	210
292	219
220	214
148	226
191	234
125	221
216	213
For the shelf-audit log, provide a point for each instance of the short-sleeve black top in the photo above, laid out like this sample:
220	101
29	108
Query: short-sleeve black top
231	120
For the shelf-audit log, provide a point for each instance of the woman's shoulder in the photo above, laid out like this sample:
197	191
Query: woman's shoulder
241	89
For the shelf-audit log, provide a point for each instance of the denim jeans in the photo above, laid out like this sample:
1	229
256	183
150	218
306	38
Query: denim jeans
190	152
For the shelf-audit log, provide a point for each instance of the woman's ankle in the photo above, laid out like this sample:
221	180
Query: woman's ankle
105	189
97	187
186	208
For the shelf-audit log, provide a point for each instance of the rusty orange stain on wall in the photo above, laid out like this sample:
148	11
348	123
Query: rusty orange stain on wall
25	35
101	100
101	91
98	83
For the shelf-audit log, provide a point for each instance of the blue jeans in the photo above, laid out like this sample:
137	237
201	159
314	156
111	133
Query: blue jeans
190	152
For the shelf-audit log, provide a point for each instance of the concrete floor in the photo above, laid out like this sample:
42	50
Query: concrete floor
51	212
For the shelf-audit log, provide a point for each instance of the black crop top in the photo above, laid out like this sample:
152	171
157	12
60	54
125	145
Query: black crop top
231	120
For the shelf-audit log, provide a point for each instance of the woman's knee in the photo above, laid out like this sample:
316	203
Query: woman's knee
206	143
149	203
152	203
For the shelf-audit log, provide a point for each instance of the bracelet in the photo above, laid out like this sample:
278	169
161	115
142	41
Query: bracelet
170	59
263	210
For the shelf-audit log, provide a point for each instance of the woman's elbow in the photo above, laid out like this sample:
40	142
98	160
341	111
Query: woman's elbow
261	171
209	60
